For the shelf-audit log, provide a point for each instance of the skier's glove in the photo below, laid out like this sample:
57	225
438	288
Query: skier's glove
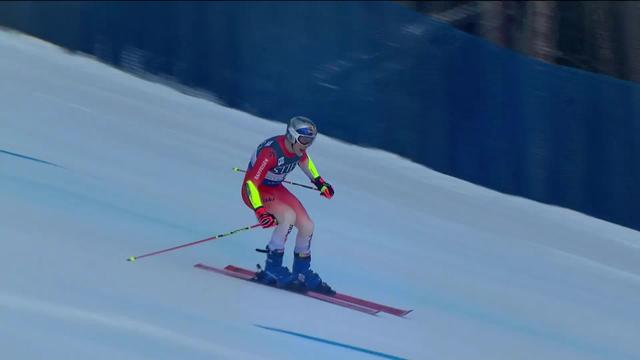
265	218
325	188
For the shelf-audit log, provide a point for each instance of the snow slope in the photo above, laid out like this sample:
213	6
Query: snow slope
97	166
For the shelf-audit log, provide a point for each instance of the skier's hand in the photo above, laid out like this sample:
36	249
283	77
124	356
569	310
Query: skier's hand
325	188
265	218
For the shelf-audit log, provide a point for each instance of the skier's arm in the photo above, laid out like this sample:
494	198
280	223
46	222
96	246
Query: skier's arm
309	168
265	161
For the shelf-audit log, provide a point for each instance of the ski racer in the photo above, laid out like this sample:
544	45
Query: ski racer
274	206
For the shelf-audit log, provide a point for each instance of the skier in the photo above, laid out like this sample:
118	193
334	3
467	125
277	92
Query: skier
274	205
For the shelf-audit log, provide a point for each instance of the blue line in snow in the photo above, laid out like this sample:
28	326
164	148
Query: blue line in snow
346	346
28	158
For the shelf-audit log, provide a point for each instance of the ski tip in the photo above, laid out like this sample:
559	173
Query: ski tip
131	259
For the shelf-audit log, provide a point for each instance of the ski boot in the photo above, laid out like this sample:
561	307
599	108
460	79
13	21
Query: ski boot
306	279
274	273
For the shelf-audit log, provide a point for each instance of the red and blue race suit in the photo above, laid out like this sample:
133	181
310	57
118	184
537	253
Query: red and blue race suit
262	186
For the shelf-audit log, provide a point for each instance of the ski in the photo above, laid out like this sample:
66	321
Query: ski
250	276
339	296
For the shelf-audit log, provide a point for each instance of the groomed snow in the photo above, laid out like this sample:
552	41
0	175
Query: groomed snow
134	167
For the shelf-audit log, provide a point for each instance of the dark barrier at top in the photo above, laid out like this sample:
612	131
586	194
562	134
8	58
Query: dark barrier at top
379	75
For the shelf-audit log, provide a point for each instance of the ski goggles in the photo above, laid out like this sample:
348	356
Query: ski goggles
305	140
305	136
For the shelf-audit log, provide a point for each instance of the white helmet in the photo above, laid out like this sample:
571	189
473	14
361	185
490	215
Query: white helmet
301	129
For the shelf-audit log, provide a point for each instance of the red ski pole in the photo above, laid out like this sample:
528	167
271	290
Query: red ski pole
134	258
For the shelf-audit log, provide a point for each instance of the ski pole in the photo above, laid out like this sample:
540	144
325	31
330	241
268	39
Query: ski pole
134	258
236	169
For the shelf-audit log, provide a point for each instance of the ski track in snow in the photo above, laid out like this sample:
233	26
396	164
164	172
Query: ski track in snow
136	327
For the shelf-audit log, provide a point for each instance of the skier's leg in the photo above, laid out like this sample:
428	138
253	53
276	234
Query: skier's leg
305	228
286	219
274	272
301	220
302	252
